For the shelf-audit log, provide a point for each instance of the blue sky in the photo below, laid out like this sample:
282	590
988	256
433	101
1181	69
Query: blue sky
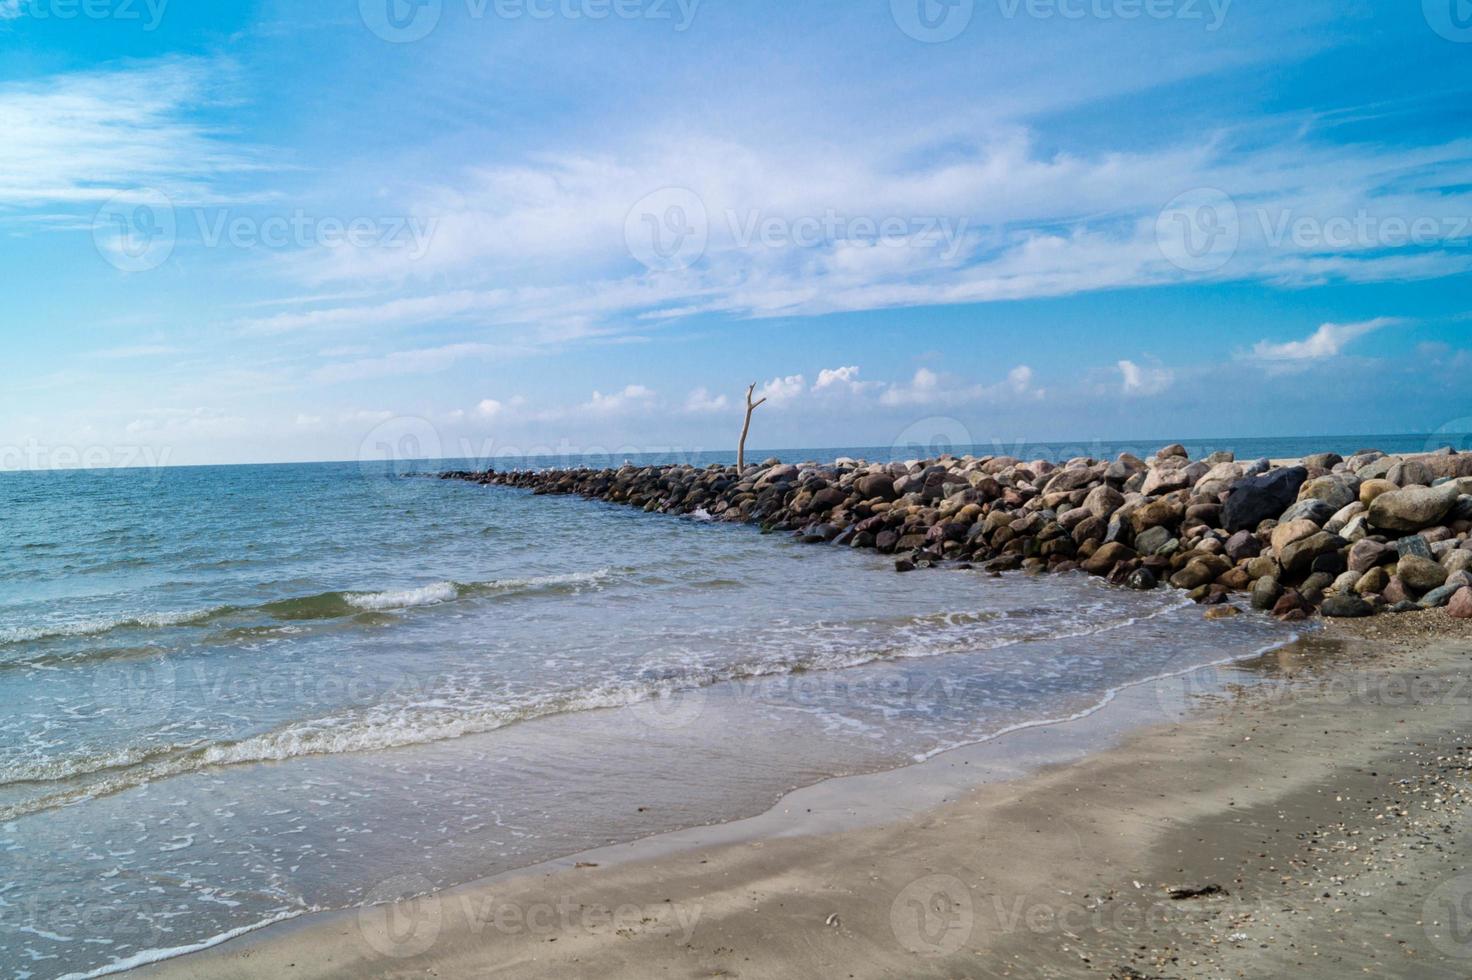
280	231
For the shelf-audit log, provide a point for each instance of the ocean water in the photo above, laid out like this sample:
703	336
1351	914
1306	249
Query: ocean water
233	695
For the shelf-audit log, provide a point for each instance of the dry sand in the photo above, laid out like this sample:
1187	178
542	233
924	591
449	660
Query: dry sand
1323	812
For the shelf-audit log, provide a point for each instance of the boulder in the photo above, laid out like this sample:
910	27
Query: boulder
1310	510
1151	541
1412	509
1336	491
1173	451
1438	597
1164	512
1417	545
1460	606
1344	515
1299	556
1322	461
1285	534
1420	574
1200	571
1265	593
1457	560
1290	602
1263	566
1356	530
879	485
1109	555
1103	501
1166	480
1142	580
1365	555
1244	545
1372	582
1254	499
1346	607
1410	473
1370	489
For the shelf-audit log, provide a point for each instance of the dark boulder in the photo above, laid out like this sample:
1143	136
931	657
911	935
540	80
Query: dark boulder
1254	499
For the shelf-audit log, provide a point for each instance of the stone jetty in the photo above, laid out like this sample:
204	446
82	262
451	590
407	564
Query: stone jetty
1327	535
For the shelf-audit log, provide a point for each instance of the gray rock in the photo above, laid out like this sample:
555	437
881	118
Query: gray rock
1439	597
1311	510
1356	530
1410	473
1265	592
1346	607
1152	540
1103	501
1415	545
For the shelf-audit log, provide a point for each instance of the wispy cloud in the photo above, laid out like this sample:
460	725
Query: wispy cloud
1326	342
82	138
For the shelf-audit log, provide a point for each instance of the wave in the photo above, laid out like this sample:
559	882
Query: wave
382	728
324	605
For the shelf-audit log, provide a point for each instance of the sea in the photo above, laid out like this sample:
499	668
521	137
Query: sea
235	695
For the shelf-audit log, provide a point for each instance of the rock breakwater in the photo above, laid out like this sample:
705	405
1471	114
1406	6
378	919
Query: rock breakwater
1341	537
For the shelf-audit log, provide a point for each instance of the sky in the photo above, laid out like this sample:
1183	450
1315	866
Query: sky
277	231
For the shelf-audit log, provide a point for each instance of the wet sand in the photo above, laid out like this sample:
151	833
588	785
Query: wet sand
1320	811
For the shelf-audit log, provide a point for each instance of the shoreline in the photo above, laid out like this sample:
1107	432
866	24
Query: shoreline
822	823
1322	535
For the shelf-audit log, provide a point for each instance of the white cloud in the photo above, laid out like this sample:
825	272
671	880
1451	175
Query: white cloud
842	379
930	388
631	397
1150	380
701	402
1326	342
779	391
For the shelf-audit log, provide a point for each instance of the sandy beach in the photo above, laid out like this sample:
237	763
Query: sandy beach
1303	814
